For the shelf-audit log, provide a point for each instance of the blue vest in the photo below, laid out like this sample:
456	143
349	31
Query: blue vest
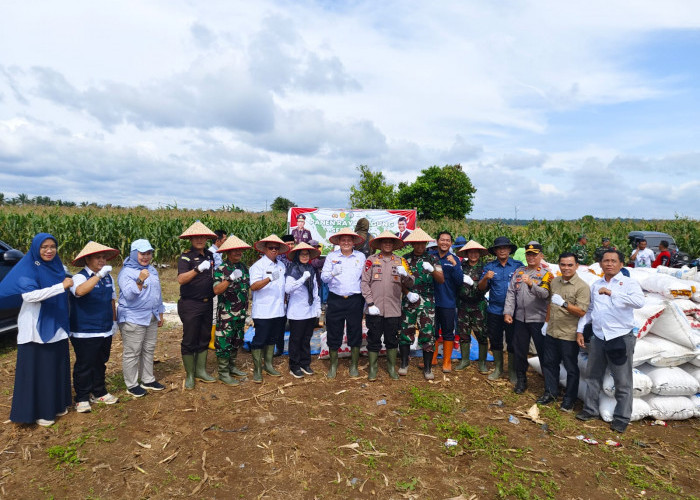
92	313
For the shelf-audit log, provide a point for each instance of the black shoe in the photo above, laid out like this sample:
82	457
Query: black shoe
307	370
153	386
296	373
520	385
585	416
546	399
137	391
618	426
567	406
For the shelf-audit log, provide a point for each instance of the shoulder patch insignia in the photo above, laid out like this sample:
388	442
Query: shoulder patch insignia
184	257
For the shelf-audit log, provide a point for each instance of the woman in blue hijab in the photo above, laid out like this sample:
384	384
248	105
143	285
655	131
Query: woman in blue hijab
37	284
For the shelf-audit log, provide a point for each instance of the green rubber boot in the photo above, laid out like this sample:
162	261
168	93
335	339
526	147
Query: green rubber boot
333	367
200	368
354	359
224	375
481	363
372	371
511	369
232	365
257	365
497	365
188	362
269	351
464	349
391	363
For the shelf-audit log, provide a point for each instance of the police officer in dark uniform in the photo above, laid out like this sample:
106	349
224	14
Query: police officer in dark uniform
195	274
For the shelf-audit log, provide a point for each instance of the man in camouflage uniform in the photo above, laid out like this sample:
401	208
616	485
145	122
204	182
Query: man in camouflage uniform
471	310
604	247
579	250
418	304
231	284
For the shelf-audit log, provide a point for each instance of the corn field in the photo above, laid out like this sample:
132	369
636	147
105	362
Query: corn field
118	227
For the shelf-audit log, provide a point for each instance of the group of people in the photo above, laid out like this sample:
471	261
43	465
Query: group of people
426	295
641	255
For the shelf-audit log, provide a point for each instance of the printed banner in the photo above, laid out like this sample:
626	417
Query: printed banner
325	222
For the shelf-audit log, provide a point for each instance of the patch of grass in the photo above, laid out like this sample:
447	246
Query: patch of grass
428	399
64	455
194	477
556	420
408	485
115	382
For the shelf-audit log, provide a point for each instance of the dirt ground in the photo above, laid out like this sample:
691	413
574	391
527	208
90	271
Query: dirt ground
315	438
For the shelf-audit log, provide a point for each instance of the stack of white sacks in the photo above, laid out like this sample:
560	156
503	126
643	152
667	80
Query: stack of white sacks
667	352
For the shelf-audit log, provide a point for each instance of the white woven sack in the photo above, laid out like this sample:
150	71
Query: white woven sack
670	407
641	274
606	407
670	381
646	316
535	364
695	361
641	384
673	325
644	351
668	286
692	370
671	354
696	401
582	388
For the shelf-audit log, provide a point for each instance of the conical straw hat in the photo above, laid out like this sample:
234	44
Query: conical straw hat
386	235
198	229
313	252
346	231
233	243
418	236
472	245
273	238
92	248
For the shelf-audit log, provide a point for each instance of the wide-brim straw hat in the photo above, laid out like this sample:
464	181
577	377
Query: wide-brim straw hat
273	238
313	252
386	235
418	236
472	245
198	229
346	231
92	248
233	243
502	241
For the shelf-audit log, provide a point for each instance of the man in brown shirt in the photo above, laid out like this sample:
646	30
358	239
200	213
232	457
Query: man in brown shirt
383	277
569	302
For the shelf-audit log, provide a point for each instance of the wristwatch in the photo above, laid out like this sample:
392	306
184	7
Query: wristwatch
565	305
139	281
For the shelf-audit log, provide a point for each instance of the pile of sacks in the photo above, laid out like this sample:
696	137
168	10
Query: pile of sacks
667	352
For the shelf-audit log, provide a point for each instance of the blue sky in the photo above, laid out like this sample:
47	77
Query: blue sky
561	109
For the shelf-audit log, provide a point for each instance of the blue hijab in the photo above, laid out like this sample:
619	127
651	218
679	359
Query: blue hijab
132	261
32	273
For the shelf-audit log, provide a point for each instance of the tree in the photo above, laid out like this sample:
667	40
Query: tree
439	192
281	204
372	191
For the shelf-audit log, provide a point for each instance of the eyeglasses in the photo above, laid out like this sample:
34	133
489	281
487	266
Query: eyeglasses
274	249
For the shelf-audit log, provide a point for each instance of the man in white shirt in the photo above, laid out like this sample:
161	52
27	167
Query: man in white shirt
214	249
613	300
642	256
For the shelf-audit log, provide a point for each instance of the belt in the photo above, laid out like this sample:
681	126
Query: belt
343	296
205	299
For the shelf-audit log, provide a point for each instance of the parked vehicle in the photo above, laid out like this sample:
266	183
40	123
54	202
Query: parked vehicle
678	258
8	258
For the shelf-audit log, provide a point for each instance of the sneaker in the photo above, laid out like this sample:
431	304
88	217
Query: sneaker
153	386
296	373
307	370
107	399
585	416
567	406
45	423
64	412
137	391
83	407
546	398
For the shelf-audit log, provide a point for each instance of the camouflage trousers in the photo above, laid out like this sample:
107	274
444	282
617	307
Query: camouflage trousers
420	315
472	319
229	336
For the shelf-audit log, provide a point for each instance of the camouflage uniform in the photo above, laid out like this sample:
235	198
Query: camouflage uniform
231	310
420	314
581	253
471	312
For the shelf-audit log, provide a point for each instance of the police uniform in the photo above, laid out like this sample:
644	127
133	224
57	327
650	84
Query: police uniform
381	286
195	306
420	314
301	235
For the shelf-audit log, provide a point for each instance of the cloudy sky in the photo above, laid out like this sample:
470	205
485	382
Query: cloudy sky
554	109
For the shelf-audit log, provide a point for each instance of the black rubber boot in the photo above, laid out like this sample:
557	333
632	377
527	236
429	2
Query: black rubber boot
404	351
427	366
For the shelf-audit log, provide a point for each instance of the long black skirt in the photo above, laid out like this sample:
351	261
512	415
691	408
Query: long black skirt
42	381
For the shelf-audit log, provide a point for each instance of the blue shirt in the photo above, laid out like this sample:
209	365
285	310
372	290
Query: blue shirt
498	285
447	293
139	306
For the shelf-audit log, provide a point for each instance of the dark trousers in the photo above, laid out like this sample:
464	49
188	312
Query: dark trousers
300	333
445	318
267	331
557	351
522	333
341	313
378	326
279	341
496	325
91	355
196	318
